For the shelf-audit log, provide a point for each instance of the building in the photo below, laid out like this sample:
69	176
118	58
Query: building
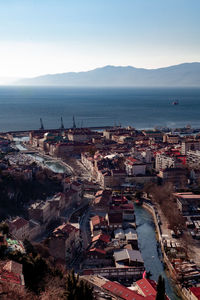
98	223
193	159
146	287
115	220
64	242
176	176
188	203
153	133
82	135
102	200
11	273
171	138
122	292
189	145
135	167
131	237
194	293
127	274
45	212
164	161
19	227
128	257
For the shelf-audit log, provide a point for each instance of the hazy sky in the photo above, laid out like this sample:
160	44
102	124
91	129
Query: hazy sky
51	36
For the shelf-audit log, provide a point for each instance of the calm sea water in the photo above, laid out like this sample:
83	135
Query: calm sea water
22	107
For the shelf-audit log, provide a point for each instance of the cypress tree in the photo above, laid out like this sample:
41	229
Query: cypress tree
160	288
77	289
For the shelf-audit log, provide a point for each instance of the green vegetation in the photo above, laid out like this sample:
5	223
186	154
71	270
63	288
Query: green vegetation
4	228
163	196
42	279
77	289
17	193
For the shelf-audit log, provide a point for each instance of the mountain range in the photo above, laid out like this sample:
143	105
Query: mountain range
182	75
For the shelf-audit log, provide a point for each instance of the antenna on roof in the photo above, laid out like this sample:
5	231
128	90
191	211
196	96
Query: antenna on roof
62	125
41	124
74	123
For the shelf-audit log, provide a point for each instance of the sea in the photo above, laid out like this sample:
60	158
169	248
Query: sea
22	107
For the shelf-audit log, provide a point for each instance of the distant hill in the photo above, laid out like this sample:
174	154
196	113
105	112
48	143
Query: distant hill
187	74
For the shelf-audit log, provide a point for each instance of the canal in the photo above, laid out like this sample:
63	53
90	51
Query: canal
148	247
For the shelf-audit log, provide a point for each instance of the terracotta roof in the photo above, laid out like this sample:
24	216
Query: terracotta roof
97	220
122	291
10	277
97	250
196	291
148	287
66	228
103	237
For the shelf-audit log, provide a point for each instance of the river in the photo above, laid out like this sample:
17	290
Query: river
53	165
148	247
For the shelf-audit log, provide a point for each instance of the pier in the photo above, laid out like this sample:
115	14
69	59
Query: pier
25	132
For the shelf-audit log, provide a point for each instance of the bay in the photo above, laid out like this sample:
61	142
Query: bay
22	107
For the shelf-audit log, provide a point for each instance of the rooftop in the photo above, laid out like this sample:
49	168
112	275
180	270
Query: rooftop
196	291
122	291
19	223
131	255
148	287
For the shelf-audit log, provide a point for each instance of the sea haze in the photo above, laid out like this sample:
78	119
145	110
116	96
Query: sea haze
22	107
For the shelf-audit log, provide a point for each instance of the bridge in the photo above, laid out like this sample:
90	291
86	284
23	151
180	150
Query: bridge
29	152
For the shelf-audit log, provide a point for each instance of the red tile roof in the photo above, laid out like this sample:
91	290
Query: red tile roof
97	250
97	220
103	237
148	287
10	277
66	228
11	272
121	291
196	291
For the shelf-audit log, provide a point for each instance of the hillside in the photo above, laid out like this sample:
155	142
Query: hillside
187	74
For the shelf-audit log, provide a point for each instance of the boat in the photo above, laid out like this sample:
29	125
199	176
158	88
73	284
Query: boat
176	102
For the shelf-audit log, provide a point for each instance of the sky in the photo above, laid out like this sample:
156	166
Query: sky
55	36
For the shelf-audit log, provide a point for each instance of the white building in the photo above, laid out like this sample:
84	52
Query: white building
135	167
164	162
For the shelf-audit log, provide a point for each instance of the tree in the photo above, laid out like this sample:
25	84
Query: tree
160	288
77	289
4	228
